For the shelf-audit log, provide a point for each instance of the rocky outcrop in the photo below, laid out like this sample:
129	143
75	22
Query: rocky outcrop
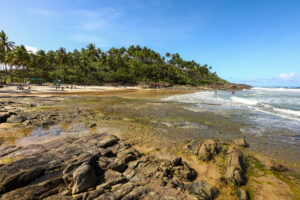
240	142
242	194
208	149
97	166
204	190
234	171
16	119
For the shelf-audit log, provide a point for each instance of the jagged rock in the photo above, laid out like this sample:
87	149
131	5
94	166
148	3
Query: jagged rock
107	142
203	190
177	161
242	194
16	119
84	178
96	166
207	150
240	142
19	179
4	116
235	167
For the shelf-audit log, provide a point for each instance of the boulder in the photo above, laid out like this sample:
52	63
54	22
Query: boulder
207	150
242	194
240	142
204	190
84	178
4	116
108	141
234	171
16	119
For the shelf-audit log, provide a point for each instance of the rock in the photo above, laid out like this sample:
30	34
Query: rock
20	179
8	149
207	150
84	178
240	142
234	171
242	194
107	142
48	123
16	119
93	125
272	165
95	166
177	161
3	117
204	190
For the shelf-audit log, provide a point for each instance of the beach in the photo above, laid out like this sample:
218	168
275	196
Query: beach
159	124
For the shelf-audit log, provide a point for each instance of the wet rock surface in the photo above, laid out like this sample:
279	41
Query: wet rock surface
97	166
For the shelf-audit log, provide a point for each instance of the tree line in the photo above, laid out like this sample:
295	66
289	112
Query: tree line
92	66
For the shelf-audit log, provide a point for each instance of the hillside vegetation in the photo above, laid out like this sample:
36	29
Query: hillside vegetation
91	65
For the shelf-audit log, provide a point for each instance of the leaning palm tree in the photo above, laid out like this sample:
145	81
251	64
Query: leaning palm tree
5	47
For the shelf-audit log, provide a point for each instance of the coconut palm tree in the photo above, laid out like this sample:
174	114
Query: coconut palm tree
21	59
5	47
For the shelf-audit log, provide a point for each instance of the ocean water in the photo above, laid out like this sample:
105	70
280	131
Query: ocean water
272	112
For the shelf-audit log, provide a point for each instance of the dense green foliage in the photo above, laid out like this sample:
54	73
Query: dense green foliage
94	66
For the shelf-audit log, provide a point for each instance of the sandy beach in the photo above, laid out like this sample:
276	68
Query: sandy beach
42	90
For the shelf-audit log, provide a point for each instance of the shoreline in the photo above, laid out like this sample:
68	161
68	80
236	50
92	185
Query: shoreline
156	129
46	90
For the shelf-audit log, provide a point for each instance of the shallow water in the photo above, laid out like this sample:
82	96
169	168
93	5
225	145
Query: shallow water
176	119
271	112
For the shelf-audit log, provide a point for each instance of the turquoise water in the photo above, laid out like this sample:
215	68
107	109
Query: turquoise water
273	112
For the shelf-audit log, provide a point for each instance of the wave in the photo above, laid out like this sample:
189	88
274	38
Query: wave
282	89
269	109
244	101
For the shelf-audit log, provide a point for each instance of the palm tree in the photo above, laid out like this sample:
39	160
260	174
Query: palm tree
5	47
21	59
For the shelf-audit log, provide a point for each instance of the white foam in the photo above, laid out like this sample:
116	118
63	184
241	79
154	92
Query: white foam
244	101
297	90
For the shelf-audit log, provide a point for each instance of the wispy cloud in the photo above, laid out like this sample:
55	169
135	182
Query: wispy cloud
43	12
95	19
285	76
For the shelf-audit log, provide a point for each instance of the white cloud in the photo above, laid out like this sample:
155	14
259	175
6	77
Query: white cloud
285	76
32	49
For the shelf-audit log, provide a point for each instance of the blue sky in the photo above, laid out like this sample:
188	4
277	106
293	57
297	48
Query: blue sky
246	41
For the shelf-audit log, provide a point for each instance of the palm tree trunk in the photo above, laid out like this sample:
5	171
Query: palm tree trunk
5	78
11	74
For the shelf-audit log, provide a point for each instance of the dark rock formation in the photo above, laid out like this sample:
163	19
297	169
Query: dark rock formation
97	166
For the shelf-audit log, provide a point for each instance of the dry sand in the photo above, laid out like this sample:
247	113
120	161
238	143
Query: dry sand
38	90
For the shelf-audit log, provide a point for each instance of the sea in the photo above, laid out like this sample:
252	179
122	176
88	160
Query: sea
266	111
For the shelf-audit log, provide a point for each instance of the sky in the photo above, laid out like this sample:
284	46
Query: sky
256	42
